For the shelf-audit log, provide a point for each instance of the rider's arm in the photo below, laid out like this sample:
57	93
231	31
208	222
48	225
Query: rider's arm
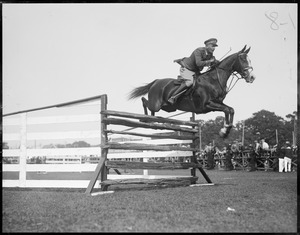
200	62
199	55
214	61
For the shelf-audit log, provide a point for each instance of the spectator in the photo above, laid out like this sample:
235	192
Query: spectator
253	155
264	145
236	153
275	164
210	157
228	157
257	146
280	154
266	164
265	152
222	155
38	160
288	154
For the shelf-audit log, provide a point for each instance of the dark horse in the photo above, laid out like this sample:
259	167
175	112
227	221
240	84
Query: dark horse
207	93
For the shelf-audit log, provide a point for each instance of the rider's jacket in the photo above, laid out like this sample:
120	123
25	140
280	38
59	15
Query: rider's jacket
198	59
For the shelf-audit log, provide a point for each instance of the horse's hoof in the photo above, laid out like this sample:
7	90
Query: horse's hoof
223	132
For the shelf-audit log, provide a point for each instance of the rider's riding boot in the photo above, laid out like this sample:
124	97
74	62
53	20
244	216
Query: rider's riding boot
175	95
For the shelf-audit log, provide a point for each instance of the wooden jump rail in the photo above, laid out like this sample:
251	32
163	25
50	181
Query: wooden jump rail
56	105
182	130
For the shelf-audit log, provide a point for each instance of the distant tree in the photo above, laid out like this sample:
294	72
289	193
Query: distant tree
263	124
290	126
60	145
210	133
80	144
76	144
49	146
290	117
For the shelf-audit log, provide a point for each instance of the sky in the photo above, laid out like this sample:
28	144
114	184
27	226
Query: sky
56	53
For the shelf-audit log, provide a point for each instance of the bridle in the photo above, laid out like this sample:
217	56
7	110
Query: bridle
239	75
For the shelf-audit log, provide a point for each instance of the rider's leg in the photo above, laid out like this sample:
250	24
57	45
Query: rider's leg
189	78
181	88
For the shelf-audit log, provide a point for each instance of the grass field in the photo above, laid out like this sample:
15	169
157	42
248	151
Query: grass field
238	202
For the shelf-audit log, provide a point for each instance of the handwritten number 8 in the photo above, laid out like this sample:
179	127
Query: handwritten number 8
273	17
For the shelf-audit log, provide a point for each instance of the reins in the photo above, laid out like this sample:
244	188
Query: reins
229	88
233	74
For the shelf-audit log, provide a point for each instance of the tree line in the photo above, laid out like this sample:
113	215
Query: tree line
262	125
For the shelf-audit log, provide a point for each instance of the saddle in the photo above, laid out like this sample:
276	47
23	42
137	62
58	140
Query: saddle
180	80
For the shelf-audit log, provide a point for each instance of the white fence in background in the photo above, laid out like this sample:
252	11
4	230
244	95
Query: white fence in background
72	156
69	159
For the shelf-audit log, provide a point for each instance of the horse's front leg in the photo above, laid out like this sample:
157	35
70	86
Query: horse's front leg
229	114
228	122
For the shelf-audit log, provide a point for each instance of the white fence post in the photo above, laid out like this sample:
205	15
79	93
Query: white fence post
145	172
23	150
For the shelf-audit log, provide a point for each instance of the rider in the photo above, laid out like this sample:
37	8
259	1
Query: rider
193	65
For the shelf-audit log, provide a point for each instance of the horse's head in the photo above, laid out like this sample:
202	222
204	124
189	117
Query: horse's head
243	65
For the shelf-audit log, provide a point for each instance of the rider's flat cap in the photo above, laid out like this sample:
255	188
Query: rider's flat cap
212	41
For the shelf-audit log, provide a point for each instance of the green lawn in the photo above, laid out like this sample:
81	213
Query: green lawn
239	201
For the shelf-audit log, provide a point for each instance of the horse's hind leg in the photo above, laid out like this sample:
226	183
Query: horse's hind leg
145	105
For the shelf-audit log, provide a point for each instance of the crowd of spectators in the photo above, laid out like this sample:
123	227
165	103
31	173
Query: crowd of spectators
258	155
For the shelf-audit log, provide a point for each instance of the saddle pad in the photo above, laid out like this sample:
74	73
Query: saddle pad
179	81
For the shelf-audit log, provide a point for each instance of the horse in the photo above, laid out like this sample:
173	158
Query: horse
207	93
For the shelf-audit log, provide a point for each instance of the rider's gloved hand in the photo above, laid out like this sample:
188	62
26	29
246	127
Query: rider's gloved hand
209	62
212	60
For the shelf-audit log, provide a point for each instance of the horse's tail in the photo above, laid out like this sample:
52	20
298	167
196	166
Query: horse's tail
140	91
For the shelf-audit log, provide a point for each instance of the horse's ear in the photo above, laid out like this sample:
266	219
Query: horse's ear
247	50
243	49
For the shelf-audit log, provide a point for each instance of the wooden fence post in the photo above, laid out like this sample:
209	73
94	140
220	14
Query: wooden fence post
104	140
101	165
144	121
194	157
